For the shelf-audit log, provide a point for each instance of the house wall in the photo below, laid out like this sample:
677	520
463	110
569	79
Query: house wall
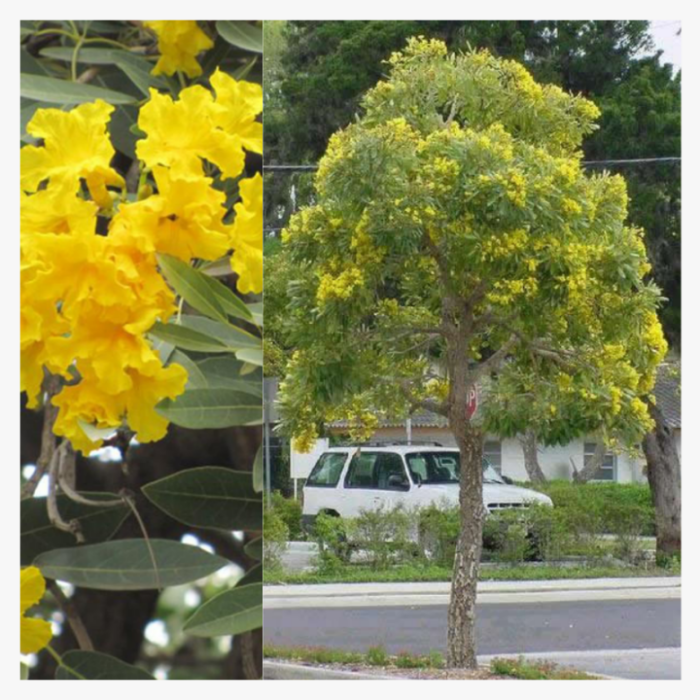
555	461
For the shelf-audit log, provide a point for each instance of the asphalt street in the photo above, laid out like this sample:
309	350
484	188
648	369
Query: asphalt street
613	633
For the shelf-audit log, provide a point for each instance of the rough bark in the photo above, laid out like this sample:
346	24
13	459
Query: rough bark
528	442
664	475
461	616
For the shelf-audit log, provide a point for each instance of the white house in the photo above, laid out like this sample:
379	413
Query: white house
506	455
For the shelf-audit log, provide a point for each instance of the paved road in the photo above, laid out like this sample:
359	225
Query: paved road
511	628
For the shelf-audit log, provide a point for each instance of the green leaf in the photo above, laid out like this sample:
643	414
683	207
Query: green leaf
213	497
257	311
224	373
186	338
231	612
126	565
86	54
245	36
233	337
138	70
23	671
64	92
38	535
229	302
254	575
258	470
212	408
253	356
192	286
95	666
243	71
254	548
195	377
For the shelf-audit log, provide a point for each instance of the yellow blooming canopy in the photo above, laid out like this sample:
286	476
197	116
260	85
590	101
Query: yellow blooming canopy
34	634
180	42
246	235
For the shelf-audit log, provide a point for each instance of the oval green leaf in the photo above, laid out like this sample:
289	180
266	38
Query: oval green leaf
210	497
212	408
258	470
65	92
192	286
245	36
231	612
126	565
95	666
233	337
38	535
186	338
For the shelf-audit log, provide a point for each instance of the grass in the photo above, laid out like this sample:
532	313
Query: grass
536	671
375	656
378	657
408	574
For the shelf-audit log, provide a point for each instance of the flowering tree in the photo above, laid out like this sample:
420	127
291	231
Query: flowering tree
456	242
125	327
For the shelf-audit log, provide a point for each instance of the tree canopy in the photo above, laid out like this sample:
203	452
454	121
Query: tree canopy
326	67
455	239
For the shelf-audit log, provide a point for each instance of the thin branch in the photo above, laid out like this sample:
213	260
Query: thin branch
48	439
52	503
71	612
492	363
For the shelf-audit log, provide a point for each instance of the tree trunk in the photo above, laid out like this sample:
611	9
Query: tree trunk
594	464
664	474
532	465
461	616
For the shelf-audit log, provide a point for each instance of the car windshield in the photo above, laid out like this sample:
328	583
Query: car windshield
443	468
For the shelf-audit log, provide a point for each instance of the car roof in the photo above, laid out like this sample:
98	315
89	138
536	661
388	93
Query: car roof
401	449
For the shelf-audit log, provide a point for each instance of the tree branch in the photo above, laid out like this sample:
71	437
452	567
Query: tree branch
71	612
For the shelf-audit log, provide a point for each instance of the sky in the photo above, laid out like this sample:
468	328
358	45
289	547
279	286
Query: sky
666	38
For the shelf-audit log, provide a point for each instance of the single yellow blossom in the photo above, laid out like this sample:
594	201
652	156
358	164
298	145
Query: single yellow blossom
179	42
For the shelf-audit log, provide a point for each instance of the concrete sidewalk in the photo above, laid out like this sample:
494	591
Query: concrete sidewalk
498	592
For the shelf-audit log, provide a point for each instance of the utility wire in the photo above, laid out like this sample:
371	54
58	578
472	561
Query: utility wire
611	161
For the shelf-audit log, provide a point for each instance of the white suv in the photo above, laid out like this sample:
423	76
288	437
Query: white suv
346	480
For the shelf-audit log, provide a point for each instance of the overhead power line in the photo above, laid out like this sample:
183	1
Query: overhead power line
611	161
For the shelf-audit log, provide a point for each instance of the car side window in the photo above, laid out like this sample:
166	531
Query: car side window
377	470
327	470
361	471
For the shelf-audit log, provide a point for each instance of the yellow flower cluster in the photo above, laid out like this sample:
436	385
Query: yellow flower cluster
179	42
505	245
506	291
35	634
338	287
90	286
87	299
419	46
570	207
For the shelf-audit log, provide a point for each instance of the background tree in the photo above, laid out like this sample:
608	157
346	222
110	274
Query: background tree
455	241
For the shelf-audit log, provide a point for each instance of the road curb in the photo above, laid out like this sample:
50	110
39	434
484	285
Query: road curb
283	670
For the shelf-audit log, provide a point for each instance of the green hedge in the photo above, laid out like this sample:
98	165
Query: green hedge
610	503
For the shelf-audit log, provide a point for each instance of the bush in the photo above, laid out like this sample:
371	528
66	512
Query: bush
275	536
332	536
438	530
600	501
384	534
290	511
